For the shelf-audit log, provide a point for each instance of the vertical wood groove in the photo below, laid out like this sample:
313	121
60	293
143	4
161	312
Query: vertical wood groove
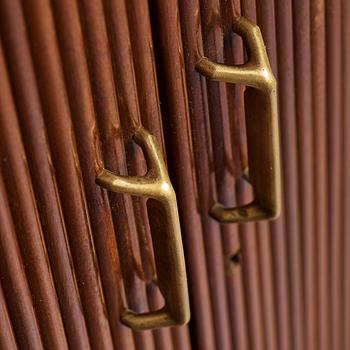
334	127
39	156
293	336
88	146
14	282
28	228
54	99
77	79
346	172
7	338
173	97
302	64
318	65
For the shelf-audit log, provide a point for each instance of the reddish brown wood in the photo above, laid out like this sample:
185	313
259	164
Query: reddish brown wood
335	166
270	237
250	273
291	339
200	127
30	235
84	77
14	282
303	103
100	68
88	145
54	100
7	338
192	39
248	238
130	117
173	97
144	65
107	115
266	22
319	98
346	171
44	182
238	161
147	90
213	48
234	55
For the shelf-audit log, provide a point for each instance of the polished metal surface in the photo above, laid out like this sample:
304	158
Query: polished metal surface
261	122
166	235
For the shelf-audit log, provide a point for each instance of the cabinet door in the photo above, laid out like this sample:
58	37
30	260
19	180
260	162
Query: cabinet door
78	79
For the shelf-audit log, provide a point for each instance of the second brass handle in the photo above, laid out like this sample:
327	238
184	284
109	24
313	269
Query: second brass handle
261	124
166	236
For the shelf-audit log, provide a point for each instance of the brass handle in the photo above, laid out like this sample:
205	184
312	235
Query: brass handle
260	100
166	235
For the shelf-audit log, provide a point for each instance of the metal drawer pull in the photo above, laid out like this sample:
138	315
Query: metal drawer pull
260	100
166	235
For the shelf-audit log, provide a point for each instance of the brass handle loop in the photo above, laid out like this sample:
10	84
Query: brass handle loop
260	100
166	235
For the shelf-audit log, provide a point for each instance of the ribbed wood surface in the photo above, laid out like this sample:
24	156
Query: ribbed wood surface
77	78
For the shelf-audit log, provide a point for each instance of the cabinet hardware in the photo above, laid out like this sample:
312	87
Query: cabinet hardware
260	100
166	235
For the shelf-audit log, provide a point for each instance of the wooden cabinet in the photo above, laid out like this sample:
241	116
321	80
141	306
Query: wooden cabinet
78	78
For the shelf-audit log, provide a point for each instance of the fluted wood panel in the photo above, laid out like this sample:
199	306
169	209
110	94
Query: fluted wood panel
77	79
